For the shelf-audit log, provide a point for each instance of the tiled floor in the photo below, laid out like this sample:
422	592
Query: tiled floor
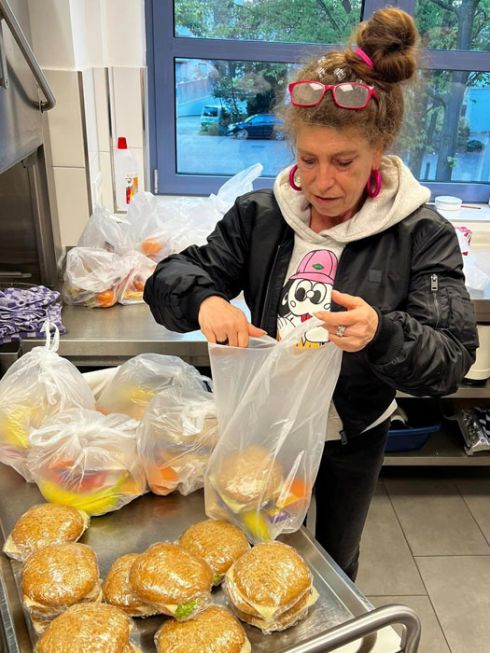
427	545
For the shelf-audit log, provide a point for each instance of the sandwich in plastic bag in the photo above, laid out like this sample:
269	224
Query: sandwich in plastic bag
37	386
176	437
87	460
140	378
272	403
130	290
92	277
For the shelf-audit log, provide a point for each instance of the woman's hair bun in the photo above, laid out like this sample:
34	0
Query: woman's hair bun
390	38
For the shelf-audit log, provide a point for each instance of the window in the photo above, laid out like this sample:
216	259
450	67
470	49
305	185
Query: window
217	68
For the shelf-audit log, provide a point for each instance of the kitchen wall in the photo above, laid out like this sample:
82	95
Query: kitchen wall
93	55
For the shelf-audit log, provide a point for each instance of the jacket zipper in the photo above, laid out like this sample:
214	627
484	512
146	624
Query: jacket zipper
434	287
267	292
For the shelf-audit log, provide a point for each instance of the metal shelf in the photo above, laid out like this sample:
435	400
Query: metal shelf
463	392
444	448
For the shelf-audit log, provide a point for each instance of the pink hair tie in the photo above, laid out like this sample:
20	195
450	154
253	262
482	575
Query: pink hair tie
362	55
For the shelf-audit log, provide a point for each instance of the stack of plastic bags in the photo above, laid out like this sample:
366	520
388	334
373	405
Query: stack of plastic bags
114	258
178	427
23	312
105	268
153	423
51	433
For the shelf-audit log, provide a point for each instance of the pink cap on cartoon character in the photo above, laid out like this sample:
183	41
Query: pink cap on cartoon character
319	266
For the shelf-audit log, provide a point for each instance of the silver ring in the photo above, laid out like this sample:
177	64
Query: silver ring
340	331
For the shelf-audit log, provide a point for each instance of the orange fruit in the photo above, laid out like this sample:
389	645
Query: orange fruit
106	298
151	246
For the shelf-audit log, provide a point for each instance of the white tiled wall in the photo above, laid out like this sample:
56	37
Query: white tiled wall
71	202
81	45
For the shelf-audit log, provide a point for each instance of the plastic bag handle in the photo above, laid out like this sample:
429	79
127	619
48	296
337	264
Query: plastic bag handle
52	341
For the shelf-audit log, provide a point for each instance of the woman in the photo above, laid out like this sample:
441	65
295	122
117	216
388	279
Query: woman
345	235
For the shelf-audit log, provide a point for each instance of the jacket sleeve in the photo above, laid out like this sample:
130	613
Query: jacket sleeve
181	282
427	348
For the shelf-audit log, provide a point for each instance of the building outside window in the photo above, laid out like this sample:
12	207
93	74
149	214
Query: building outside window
219	68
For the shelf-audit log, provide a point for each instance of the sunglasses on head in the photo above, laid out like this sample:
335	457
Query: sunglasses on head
347	95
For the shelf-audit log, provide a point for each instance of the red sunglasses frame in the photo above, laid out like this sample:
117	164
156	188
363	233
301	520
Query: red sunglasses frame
372	93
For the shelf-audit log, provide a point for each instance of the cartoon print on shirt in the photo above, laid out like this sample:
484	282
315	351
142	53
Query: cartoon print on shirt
307	291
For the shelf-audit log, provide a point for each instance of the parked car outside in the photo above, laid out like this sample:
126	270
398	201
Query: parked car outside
261	125
214	116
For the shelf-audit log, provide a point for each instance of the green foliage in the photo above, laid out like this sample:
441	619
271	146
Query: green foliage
432	106
302	21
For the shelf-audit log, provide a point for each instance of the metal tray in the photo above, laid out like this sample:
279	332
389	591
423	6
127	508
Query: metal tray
151	519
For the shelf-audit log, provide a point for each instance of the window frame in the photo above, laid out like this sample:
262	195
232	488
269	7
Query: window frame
161	55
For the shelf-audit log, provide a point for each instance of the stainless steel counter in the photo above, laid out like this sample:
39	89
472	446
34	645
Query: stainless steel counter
152	518
106	337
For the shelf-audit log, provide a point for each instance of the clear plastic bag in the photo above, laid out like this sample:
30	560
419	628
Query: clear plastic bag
37	386
139	379
146	228
87	460
176	437
92	277
272	404
189	220
130	290
105	231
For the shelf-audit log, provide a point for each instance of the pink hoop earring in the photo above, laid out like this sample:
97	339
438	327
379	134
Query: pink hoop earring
373	186
294	181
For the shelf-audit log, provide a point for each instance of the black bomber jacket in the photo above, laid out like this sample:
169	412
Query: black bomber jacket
411	274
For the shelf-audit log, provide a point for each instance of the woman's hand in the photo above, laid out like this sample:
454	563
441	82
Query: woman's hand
222	322
360	321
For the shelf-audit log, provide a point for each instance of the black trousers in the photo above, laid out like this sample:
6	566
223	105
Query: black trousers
344	488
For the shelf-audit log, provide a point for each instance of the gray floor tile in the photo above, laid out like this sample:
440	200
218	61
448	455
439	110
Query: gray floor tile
434	518
458	587
476	493
432	640
386	565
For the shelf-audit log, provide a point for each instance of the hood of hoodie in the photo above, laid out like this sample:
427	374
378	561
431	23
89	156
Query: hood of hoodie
400	195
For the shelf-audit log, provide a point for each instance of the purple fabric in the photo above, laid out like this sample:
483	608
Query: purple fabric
23	311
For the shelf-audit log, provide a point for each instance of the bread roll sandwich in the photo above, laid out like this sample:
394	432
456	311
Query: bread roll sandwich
172	580
56	577
270	587
218	542
88	627
248	479
117	589
44	524
213	630
243	487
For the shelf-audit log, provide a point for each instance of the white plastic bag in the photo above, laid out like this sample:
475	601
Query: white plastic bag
272	404
104	231
176	437
37	386
92	276
83	459
139	379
